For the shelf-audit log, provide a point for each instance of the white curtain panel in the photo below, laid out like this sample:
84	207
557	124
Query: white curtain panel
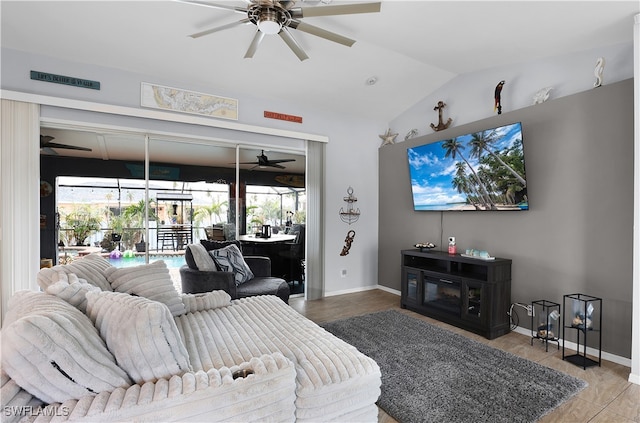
19	214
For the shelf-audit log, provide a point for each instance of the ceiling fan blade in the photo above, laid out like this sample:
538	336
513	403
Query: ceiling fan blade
338	9
281	161
293	44
263	165
213	5
322	33
220	28
48	151
45	139
65	146
254	44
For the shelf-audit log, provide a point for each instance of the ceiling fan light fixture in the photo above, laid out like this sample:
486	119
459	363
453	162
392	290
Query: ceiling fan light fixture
269	23
279	16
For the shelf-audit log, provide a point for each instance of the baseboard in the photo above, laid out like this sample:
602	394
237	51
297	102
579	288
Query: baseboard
350	291
590	351
362	289
390	290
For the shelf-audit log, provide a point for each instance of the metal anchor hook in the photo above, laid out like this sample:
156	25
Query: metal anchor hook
348	241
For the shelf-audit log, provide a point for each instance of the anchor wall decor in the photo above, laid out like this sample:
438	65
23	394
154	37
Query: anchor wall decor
441	125
350	215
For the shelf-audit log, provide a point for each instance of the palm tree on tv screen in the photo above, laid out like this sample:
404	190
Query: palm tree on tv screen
462	184
503	179
482	141
454	148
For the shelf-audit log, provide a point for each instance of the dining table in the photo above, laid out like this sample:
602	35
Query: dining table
269	247
275	238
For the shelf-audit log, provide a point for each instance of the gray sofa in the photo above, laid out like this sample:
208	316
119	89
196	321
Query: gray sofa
195	281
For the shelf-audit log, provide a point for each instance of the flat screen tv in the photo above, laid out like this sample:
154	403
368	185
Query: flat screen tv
479	171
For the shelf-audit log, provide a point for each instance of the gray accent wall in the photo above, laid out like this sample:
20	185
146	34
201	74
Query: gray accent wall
577	235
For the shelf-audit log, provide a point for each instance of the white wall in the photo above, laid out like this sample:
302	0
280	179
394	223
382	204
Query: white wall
352	161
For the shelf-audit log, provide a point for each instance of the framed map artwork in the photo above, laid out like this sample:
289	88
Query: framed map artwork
175	99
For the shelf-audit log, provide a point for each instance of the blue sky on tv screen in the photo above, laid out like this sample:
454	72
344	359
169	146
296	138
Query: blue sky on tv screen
432	173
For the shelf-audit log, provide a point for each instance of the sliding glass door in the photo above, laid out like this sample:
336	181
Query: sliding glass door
154	195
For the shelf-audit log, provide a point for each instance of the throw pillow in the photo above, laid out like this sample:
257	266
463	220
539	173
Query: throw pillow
72	289
54	352
216	245
230	259
206	301
209	245
151	281
140	333
201	258
91	268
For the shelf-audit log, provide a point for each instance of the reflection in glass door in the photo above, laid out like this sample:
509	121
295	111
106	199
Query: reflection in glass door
272	211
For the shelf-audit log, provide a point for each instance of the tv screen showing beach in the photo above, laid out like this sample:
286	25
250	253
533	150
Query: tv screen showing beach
480	171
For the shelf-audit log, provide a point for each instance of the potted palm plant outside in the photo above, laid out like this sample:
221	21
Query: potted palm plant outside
83	222
134	216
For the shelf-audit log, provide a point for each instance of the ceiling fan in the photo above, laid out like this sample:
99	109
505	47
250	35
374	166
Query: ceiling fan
278	16
47	146
263	161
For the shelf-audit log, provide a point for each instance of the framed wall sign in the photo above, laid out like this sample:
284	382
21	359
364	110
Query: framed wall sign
178	100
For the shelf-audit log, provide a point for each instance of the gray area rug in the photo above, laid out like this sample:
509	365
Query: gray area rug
430	374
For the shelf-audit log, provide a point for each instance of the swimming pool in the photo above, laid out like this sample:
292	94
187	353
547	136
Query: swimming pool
173	262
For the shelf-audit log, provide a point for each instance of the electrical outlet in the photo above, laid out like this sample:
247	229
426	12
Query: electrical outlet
343	273
530	311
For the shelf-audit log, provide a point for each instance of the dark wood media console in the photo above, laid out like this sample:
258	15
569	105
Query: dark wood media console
473	294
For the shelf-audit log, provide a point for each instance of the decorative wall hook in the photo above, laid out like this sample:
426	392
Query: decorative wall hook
347	242
441	125
350	215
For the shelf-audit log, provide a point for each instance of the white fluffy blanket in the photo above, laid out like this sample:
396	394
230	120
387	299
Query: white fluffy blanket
334	380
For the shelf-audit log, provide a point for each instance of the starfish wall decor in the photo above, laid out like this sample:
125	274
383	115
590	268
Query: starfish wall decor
388	138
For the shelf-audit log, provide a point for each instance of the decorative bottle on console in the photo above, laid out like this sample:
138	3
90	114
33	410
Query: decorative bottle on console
452	245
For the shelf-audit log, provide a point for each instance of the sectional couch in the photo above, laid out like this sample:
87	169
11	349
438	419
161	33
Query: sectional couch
104	344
